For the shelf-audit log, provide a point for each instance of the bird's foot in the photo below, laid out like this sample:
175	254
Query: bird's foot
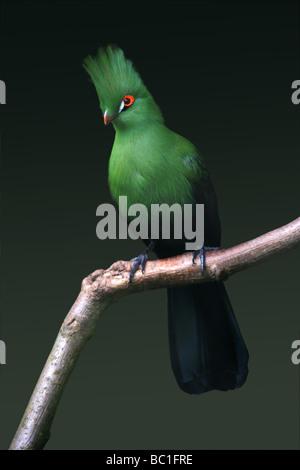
201	253
139	261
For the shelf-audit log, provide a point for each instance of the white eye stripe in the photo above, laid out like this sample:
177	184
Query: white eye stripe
121	106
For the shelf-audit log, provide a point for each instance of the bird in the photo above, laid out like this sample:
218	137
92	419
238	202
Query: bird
151	164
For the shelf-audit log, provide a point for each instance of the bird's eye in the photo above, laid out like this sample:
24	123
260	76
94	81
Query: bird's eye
128	100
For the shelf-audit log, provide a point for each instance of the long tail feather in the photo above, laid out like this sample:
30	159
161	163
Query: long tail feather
206	346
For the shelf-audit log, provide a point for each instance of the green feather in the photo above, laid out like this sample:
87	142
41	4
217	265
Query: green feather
152	167
149	163
114	76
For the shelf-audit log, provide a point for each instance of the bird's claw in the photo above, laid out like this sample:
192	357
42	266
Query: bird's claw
201	253
139	261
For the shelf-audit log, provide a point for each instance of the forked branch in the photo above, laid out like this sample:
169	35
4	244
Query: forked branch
103	287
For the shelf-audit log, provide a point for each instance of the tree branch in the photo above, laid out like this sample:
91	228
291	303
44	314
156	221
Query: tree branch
103	287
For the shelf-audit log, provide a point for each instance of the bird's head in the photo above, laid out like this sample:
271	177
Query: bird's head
124	99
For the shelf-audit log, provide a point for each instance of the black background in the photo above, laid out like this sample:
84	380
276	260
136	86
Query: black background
221	73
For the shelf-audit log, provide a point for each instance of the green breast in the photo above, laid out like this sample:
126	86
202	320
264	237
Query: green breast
153	166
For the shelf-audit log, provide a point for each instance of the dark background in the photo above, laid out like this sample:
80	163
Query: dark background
221	73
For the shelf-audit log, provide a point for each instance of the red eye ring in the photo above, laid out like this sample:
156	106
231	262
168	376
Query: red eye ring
128	100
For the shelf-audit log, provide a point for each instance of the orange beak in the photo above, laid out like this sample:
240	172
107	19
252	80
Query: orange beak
108	119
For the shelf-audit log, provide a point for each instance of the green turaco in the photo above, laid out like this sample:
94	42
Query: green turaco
150	164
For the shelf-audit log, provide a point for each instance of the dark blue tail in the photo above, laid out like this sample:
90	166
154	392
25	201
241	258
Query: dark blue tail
206	346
